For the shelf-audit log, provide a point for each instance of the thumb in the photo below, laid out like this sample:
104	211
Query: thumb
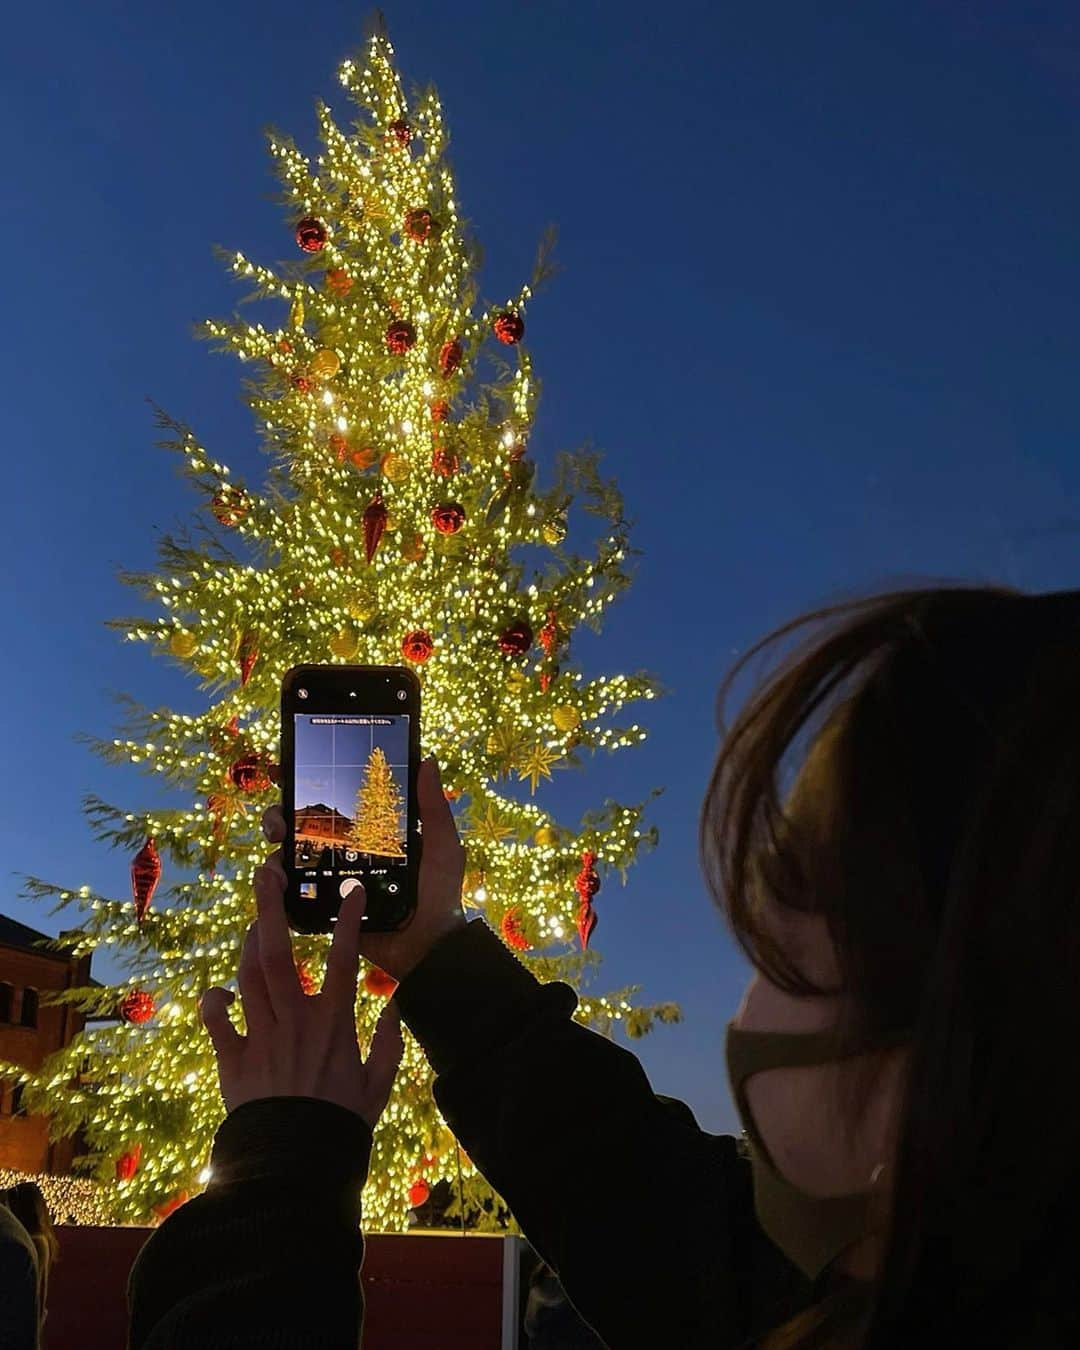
436	817
384	1056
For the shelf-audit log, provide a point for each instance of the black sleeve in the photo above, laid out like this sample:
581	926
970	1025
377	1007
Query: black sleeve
647	1219
269	1255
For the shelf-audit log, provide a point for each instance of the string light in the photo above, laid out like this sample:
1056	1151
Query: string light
154	1085
70	1199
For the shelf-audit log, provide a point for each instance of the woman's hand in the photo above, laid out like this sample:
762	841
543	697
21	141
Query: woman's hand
442	866
299	1045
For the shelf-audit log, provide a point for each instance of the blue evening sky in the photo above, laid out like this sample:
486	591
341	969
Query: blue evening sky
818	307
331	758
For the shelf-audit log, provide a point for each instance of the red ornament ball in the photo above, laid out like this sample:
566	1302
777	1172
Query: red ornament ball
250	774
378	983
300	382
400	337
418	1193
448	517
311	234
418	225
400	133
339	281
137	1007
229	506
450	354
509	328
516	639
417	646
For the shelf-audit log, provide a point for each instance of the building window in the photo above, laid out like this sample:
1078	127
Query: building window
7	1000
28	1017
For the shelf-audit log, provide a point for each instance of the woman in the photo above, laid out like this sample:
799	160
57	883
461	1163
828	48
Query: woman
25	1296
916	901
893	831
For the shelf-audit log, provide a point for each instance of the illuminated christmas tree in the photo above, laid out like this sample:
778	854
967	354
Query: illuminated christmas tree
377	820
401	519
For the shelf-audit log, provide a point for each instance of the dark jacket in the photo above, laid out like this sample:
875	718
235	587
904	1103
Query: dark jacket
20	1308
648	1220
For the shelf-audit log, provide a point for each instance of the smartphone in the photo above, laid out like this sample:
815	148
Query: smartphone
350	748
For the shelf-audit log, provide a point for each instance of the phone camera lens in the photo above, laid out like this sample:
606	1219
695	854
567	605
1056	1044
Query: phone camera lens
401	695
302	693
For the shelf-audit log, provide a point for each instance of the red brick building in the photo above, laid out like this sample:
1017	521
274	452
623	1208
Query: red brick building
31	1029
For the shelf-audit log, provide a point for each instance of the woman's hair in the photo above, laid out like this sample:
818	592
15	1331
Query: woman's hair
935	826
27	1203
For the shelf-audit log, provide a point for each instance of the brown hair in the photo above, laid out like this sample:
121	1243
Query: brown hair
28	1205
937	731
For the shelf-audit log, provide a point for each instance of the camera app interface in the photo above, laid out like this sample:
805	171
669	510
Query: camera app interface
351	799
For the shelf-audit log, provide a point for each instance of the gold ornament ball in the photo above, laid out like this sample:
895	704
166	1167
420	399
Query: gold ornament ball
395	468
554	530
516	681
413	547
546	836
183	644
362	606
345	643
566	717
325	364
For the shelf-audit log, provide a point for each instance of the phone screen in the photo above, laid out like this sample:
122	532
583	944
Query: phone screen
351	799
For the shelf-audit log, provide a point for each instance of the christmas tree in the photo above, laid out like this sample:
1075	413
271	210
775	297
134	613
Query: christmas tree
377	824
400	520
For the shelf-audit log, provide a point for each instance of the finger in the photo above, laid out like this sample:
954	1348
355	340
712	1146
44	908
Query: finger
437	820
276	863
214	1010
258	1013
273	823
275	945
343	958
384	1057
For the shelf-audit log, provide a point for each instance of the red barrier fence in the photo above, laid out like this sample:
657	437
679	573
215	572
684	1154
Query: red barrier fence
422	1291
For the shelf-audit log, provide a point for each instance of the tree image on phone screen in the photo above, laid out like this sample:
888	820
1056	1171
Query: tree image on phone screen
350	788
